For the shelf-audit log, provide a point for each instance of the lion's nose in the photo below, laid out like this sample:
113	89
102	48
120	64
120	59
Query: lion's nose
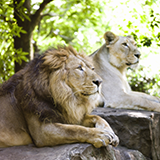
97	82
137	55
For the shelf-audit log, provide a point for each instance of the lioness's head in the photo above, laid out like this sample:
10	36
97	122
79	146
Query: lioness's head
72	77
123	50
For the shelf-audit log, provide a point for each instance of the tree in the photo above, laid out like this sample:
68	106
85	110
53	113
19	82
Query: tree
71	22
8	29
59	20
28	21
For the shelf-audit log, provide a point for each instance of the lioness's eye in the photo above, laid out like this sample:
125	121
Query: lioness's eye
93	68
80	67
125	44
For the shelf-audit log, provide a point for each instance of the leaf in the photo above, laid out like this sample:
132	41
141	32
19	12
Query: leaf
20	4
26	16
23	31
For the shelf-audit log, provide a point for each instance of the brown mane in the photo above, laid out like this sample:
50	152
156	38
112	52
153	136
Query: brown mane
34	92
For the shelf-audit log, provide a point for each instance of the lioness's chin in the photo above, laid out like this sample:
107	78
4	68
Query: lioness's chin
133	66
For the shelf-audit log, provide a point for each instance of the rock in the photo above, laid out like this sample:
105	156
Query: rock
122	153
139	133
76	151
138	130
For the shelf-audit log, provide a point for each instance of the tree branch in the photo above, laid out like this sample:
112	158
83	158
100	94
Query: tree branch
48	14
35	18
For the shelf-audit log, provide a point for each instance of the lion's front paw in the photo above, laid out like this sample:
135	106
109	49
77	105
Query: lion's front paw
103	138
102	124
114	138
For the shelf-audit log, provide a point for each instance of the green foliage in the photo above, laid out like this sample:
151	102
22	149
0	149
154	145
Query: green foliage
8	29
142	81
62	22
71	22
21	11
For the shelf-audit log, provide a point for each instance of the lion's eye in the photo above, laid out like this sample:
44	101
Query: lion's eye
125	44
80	67
92	68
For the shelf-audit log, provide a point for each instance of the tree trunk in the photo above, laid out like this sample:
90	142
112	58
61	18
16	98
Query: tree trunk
24	41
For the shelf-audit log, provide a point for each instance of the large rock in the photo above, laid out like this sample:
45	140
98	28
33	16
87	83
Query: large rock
139	133
138	130
69	152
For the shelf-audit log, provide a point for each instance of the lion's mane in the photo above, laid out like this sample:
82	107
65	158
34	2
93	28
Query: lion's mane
30	88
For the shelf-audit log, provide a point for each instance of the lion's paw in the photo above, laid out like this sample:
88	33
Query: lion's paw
103	138
102	141
114	138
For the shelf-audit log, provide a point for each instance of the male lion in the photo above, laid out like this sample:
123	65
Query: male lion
49	101
111	61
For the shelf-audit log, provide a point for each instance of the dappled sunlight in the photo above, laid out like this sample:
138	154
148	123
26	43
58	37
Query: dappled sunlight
138	114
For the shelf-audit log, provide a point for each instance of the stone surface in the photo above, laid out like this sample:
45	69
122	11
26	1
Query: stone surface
138	130
69	152
139	133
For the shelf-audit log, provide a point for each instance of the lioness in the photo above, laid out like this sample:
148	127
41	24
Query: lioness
111	61
49	101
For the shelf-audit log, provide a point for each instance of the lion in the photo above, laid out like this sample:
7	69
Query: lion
111	61
49	103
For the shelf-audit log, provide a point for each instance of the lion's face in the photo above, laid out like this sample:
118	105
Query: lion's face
81	77
73	78
123	50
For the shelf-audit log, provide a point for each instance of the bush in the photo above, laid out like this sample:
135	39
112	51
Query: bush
141	80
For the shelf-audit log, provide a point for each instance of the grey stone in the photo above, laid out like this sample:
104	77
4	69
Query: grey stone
76	151
139	133
138	130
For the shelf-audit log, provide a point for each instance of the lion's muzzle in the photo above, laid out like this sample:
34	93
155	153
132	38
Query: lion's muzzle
97	82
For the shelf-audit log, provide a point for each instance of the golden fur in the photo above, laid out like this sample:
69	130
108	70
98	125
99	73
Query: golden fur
111	61
49	101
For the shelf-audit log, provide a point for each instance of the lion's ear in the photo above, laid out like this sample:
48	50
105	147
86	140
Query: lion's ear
110	37
55	59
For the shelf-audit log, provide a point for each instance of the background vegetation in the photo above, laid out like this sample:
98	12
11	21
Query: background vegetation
30	26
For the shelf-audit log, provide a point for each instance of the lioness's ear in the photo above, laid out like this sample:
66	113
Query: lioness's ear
55	59
129	36
110	37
